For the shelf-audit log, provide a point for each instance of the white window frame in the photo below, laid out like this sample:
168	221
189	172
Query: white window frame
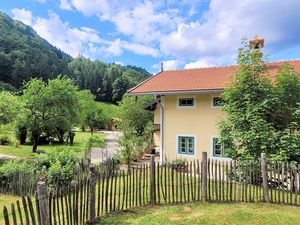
177	144
184	97
212	101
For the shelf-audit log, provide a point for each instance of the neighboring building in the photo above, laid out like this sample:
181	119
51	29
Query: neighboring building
188	108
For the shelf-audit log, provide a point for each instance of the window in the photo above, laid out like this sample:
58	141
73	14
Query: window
217	101
186	145
186	102
218	148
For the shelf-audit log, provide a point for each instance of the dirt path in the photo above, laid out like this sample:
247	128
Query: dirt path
6	157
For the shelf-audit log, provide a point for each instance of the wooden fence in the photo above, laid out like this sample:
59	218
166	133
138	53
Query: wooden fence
89	198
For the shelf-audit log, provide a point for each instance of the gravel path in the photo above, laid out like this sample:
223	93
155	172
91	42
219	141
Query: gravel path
101	154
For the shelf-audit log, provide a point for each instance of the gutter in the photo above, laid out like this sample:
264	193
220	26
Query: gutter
162	113
203	91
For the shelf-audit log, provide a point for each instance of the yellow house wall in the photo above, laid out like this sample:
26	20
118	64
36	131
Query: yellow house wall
200	121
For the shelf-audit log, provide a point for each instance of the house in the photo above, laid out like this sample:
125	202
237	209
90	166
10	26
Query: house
188	108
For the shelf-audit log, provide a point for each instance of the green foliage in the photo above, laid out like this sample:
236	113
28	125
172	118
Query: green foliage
133	115
259	114
50	108
9	107
4	139
7	87
131	147
11	167
94	141
178	163
90	112
137	127
59	168
25	55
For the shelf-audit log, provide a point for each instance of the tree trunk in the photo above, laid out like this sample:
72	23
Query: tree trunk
60	136
35	143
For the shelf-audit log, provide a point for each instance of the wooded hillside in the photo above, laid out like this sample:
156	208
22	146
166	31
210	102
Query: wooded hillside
24	55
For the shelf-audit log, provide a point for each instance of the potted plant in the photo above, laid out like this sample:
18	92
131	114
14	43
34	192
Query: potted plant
179	165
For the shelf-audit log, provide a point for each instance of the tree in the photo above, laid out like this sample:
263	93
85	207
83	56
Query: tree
9	107
95	119
136	124
261	116
246	131
50	108
286	97
133	114
90	113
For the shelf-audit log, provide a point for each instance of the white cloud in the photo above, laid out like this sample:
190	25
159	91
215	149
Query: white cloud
219	31
119	63
115	48
41	1
65	4
144	23
172	64
140	49
23	15
72	40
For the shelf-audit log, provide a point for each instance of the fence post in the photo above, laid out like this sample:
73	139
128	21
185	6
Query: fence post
152	181
264	174
42	194
204	176
92	197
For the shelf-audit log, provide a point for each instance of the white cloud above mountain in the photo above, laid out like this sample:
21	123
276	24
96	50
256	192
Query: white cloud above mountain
180	30
23	15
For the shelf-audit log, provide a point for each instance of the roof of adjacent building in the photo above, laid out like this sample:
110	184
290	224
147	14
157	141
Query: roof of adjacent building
210	79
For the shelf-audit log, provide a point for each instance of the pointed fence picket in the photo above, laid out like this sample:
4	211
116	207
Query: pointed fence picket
102	192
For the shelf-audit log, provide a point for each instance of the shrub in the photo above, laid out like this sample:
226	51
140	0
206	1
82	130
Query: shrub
4	139
59	168
12	168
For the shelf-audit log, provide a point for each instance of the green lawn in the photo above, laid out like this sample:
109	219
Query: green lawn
6	200
25	151
108	109
210	213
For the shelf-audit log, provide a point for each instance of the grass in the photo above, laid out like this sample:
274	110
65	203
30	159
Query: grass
25	151
6	200
210	213
108	109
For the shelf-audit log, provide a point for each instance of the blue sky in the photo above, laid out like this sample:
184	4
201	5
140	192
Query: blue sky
181	34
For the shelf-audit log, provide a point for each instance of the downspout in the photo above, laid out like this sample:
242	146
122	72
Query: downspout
162	113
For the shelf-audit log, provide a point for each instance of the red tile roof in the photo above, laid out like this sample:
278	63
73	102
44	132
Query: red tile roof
197	80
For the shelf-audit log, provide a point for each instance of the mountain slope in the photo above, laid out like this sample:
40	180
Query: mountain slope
24	55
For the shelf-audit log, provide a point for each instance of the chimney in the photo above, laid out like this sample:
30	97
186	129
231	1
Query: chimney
257	43
161	67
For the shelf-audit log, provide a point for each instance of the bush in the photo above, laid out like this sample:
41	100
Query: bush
12	168
4	139
59	168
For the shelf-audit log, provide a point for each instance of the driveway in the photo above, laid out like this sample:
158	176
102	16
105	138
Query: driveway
101	154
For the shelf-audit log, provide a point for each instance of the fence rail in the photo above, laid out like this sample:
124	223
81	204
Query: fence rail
103	192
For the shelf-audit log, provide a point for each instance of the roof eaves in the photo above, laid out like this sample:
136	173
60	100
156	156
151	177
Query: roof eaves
200	91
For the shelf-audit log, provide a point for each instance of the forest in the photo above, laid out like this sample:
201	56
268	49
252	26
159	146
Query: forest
25	55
